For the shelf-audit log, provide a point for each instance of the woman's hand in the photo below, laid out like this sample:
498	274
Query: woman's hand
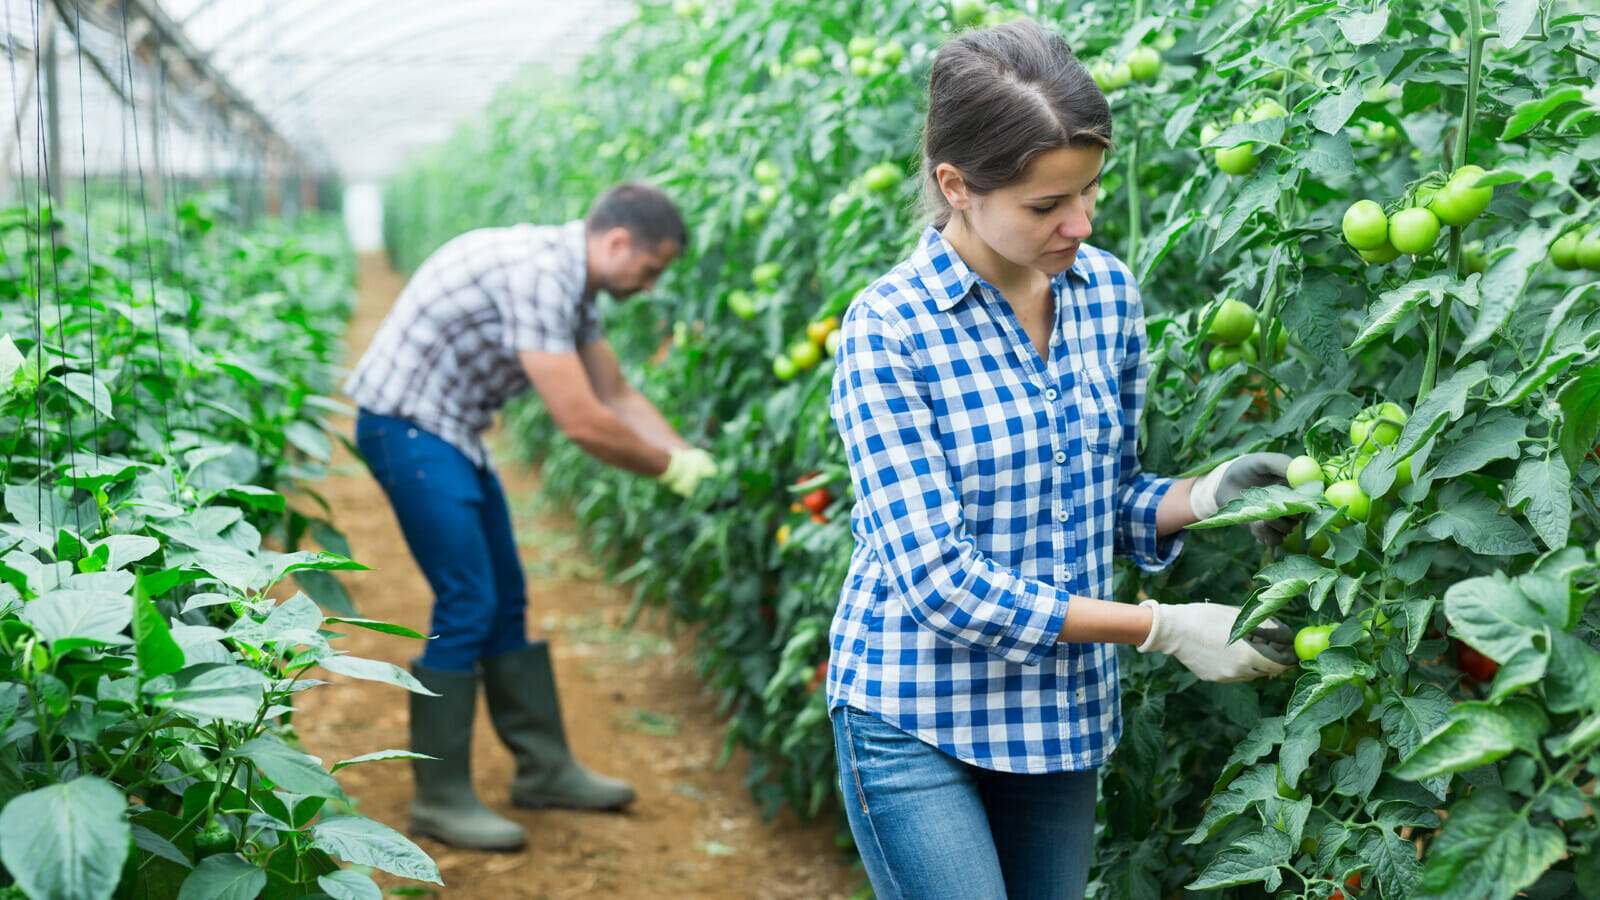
1197	634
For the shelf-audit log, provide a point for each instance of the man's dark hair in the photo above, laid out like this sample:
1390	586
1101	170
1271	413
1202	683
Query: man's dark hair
649	215
998	98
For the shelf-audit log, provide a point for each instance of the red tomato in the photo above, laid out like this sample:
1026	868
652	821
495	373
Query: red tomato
818	678
1354	881
817	501
1474	665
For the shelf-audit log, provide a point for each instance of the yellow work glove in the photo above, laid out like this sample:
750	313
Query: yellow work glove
685	468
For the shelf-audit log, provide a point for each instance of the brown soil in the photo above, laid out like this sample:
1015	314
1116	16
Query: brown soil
633	709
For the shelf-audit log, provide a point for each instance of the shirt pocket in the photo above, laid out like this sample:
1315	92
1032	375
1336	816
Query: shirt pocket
1100	392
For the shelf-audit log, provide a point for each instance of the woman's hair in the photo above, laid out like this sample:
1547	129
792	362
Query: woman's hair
649	215
999	97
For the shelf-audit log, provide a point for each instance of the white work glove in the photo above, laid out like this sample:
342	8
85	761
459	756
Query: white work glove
1197	634
685	468
1224	484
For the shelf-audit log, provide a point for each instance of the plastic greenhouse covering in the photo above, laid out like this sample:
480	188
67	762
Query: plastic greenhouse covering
220	87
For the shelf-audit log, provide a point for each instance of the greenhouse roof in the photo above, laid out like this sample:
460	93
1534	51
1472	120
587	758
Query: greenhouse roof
348	85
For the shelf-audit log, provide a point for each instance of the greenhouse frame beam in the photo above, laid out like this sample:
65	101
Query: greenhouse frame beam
153	32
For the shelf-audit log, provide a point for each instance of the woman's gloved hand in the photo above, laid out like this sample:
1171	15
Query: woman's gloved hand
1197	634
1226	483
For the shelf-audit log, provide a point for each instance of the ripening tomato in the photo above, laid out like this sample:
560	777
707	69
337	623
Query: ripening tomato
805	354
817	501
818	331
1474	665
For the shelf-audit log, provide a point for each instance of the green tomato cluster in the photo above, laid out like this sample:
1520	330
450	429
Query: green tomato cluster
1232	326
1414	229
1577	249
1240	159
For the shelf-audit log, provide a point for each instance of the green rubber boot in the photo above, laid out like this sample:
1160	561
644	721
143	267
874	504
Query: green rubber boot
445	807
521	689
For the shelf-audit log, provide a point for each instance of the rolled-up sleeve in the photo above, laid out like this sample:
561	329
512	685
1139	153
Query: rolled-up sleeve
909	512
1139	494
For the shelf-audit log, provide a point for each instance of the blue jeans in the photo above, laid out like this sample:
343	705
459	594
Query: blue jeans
455	520
929	826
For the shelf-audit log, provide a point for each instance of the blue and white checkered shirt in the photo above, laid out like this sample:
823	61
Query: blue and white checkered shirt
990	486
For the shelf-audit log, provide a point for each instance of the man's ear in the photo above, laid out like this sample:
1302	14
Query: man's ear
953	186
618	243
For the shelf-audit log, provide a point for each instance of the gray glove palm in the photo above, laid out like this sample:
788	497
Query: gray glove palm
1197	635
1227	482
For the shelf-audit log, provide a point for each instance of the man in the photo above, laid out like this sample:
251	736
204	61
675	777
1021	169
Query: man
488	315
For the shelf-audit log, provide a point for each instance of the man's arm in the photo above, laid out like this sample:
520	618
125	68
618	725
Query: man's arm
564	384
613	390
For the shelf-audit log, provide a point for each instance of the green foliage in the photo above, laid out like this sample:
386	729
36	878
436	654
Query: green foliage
162	395
1483	509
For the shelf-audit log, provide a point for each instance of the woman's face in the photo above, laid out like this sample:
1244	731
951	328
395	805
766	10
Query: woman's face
1039	221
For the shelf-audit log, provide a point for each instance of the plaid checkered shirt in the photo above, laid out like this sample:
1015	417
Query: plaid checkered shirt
990	485
446	356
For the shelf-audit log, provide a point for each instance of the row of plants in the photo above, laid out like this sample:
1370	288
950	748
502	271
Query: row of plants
165	383
1359	232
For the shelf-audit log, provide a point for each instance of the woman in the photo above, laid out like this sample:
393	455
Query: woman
988	392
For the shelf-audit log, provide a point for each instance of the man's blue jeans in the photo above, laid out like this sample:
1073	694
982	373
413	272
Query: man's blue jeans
458	526
929	826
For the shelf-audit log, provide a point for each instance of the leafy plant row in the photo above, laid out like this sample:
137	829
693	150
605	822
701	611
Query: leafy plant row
1358	230
163	393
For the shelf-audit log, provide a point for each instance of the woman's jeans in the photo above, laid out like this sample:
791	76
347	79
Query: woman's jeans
929	826
458	526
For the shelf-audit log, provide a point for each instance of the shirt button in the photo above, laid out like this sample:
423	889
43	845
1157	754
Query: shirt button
1050	394
1061	458
1062	514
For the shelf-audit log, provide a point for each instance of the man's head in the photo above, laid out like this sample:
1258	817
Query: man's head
634	231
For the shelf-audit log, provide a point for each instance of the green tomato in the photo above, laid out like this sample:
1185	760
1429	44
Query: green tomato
862	45
767	172
1588	254
1225	355
890	54
1233	323
1303	469
805	354
1280	342
766	274
966	12
784	367
1144	63
1236	160
1208	133
1268	109
1413	231
807	57
884	176
1458	203
1365	225
1564	252
831	344
215	839
1349	495
768	194
741	304
860	66
1474	260
1310	641
1384	254
1119	75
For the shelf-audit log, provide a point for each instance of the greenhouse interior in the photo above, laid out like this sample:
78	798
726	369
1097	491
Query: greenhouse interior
919	449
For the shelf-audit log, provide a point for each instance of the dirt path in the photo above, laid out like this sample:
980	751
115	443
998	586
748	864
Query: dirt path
632	705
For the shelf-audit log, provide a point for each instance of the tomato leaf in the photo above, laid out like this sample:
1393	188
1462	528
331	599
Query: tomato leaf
1446	403
1546	485
1488	848
1259	504
1329	155
1532	112
1394	860
1573	680
1580	416
1475	523
1476	734
1357	775
1330	114
1255	857
1497	436
1392	306
1502	285
1260	192
1312	315
1364	27
1514	18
